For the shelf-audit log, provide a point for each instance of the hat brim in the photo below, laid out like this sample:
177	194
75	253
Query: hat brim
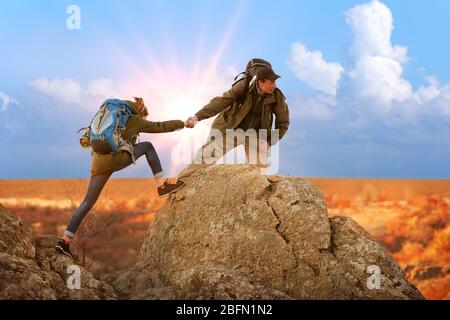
274	77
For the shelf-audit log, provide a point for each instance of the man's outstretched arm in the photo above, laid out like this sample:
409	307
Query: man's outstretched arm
221	103
216	105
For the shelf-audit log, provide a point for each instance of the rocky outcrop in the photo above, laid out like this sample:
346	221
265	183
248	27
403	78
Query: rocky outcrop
232	233
30	268
15	238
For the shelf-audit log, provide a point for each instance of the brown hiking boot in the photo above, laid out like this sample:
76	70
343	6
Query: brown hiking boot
168	188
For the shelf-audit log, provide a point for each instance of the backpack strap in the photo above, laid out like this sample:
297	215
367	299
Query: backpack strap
81	129
240	74
241	98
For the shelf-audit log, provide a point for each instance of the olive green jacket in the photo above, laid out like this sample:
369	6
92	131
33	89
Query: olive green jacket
104	163
230	112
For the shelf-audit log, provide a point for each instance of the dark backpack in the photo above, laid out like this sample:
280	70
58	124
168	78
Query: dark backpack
252	68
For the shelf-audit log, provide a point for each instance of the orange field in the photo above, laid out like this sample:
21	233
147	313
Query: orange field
410	218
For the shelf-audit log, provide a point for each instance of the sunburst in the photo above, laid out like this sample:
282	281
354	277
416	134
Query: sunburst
172	91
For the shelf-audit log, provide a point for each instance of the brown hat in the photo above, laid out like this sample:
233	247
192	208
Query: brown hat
267	74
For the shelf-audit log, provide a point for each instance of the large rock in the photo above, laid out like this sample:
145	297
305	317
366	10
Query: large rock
15	238
30	268
232	233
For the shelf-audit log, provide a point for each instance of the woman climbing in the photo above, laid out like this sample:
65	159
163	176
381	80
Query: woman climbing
104	164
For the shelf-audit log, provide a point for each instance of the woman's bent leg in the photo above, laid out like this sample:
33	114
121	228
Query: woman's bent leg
147	149
150	153
96	186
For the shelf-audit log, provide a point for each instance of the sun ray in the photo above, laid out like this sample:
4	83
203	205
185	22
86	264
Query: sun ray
173	91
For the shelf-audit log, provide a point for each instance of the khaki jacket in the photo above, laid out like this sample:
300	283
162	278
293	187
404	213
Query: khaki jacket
230	112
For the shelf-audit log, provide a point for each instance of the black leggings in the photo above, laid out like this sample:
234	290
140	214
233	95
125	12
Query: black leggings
98	182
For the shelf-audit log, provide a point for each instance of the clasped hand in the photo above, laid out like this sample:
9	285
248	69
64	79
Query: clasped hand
191	122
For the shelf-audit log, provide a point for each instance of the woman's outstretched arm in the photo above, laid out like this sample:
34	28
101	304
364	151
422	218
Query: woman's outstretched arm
137	124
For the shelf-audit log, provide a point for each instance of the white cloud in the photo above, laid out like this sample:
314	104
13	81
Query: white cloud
66	90
379	79
375	83
377	74
432	99
372	25
428	93
310	67
6	100
102	87
69	90
314	107
377	64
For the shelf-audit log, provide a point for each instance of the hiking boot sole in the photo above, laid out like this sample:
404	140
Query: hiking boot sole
61	251
168	193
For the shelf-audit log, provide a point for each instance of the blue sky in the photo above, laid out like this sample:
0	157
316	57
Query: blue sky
365	100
